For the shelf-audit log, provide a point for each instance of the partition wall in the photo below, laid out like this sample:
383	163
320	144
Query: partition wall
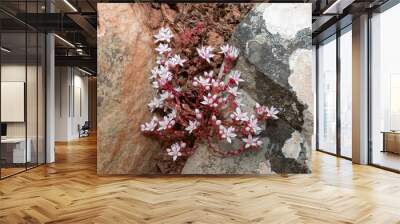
22	77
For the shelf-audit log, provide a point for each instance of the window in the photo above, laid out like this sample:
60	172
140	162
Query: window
385	89
334	106
327	96
346	92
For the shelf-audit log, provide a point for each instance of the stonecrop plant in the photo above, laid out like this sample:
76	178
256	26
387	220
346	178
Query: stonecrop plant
202	108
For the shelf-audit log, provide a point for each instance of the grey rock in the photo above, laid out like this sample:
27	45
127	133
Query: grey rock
275	63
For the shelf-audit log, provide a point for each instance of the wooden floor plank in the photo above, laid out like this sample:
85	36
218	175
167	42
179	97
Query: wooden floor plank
69	191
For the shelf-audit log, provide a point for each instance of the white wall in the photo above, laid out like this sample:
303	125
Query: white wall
16	72
33	127
70	83
80	89
62	82
9	73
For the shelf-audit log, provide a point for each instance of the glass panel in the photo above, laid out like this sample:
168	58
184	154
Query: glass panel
385	84
13	90
22	90
32	88
327	96
346	93
31	100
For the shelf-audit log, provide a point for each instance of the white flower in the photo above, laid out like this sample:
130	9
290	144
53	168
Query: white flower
162	48
163	70
176	60
163	124
165	95
209	100
150	126
214	83
164	77
209	74
272	112
156	103
167	122
203	81
235	77
251	142
172	115
179	60
227	133
164	34
233	52
205	53
159	60
224	49
155	85
192	126
171	62
234	91
162	74
230	51
239	115
154	72
178	89
260	109
174	151
253	124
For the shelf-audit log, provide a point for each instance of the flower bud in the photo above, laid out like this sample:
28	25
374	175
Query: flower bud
247	129
207	87
218	122
183	145
214	118
198	116
195	83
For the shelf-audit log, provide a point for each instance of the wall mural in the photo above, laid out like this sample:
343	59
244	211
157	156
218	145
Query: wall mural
211	89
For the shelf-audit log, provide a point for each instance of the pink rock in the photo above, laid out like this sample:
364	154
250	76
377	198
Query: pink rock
125	58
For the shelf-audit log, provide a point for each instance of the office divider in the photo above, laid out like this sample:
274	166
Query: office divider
22	88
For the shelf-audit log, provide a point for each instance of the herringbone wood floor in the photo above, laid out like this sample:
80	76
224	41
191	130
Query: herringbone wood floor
69	191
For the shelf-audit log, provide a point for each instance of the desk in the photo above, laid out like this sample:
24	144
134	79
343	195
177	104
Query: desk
16	148
391	141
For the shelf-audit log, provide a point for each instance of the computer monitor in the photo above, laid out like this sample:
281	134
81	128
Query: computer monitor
3	129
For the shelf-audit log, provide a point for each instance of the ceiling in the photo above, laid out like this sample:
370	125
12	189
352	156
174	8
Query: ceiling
75	22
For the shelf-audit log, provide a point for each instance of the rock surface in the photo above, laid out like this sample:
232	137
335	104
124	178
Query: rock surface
125	57
275	62
276	65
